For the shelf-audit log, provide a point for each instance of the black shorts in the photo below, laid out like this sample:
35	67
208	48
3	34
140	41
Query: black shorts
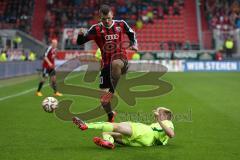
48	72
105	75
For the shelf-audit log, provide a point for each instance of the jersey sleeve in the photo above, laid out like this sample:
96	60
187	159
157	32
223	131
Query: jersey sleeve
130	33
167	123
47	51
89	35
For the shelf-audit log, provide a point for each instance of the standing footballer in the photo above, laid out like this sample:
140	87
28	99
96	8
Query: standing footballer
48	69
108	35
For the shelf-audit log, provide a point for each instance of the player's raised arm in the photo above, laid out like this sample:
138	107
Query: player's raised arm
85	36
161	115
131	35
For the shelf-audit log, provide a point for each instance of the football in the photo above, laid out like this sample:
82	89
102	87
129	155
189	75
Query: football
49	104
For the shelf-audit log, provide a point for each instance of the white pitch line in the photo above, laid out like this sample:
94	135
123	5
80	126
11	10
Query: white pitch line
30	90
18	94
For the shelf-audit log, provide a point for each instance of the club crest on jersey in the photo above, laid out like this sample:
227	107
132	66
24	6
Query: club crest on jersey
111	37
118	29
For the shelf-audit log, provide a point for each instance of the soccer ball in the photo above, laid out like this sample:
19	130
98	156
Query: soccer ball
49	104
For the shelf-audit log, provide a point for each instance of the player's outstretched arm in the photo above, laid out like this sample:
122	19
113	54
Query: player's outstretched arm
82	38
85	36
169	131
131	36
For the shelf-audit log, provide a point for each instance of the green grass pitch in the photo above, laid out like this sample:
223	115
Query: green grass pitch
207	125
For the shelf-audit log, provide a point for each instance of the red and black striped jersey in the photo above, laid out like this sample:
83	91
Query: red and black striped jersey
110	39
50	54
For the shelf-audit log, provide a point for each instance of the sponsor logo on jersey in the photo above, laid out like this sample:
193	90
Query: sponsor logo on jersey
111	37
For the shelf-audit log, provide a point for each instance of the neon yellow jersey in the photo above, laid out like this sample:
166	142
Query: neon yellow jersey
159	134
229	44
98	54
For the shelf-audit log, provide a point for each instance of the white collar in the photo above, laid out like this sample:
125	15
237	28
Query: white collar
109	26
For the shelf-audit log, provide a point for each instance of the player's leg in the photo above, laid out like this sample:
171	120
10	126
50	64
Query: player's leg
112	137
123	128
44	77
120	130
111	131
133	134
107	106
105	84
108	140
116	71
118	67
104	126
53	82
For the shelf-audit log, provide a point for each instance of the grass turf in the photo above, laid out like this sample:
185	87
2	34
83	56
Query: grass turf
206	106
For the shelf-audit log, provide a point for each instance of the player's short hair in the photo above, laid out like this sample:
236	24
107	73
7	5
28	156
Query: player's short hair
105	9
167	111
54	40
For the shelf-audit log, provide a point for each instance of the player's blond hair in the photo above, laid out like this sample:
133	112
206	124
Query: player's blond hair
167	111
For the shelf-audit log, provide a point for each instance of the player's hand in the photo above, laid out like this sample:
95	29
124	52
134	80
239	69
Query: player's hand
82	31
156	114
134	48
51	65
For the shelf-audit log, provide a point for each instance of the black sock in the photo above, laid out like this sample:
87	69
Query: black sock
110	115
113	85
111	89
40	86
54	87
107	108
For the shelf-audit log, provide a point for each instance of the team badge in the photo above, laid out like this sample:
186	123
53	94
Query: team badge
118	29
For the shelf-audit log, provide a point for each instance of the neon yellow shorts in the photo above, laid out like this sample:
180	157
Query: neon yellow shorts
142	135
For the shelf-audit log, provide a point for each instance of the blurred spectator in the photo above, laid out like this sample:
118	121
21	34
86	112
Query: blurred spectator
160	13
229	46
222	15
1	42
17	14
237	22
32	56
150	16
23	57
187	45
139	24
62	14
3	57
136	56
176	8
219	56
17	40
235	7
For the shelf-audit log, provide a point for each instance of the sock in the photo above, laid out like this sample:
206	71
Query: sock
108	137
113	85
104	126
40	86
115	76
107	108
54	87
110	115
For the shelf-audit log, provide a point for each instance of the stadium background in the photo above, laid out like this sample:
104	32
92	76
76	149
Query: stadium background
197	40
